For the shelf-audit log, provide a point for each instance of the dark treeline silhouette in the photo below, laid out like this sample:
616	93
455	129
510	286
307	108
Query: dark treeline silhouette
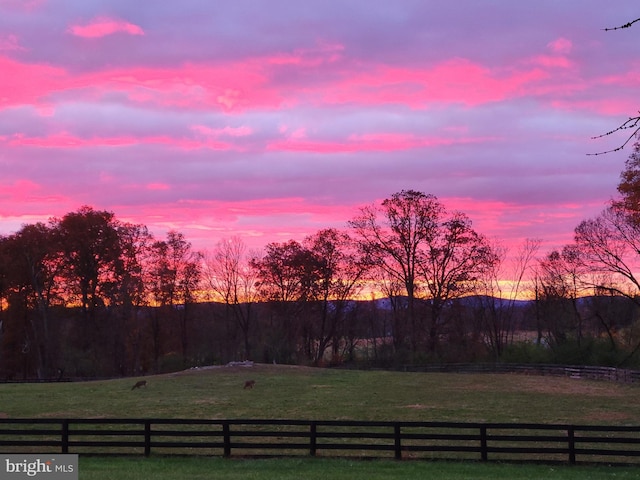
86	295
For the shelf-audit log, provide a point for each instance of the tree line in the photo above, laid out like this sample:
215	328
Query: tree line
407	280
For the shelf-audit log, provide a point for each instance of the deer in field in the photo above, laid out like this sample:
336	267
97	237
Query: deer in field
141	383
249	384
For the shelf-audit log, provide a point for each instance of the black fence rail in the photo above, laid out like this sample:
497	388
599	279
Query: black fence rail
399	440
612	374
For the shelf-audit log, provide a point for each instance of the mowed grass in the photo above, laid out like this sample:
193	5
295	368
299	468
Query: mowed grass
289	392
198	468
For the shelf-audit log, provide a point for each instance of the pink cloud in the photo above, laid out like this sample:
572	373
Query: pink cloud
10	42
298	133
510	223
37	202
253	83
231	87
19	190
457	81
67	140
104	26
630	78
558	58
552	61
560	46
158	186
31	84
242	131
373	142
258	221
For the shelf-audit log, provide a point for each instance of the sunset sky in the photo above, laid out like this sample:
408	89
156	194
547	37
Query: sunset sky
274	119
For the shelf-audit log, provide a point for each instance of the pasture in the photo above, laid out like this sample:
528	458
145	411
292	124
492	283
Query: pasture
309	393
306	393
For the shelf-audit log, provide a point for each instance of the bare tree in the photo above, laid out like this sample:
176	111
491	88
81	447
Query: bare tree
497	307
435	255
340	273
394	236
610	245
455	260
229	276
562	278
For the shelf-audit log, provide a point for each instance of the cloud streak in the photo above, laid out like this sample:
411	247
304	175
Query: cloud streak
104	26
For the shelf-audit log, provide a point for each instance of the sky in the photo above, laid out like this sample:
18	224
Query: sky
273	119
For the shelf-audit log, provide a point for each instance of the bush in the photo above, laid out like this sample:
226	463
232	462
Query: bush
591	351
526	352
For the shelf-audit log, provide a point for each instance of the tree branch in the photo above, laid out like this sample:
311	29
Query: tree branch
632	123
626	25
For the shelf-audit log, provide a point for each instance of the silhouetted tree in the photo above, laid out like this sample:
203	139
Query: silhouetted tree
609	245
562	283
496	309
339	275
129	296
175	274
456	259
287	277
90	247
435	255
30	260
229	276
394	236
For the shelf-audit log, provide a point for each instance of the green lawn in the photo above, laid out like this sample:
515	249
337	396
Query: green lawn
176	468
306	393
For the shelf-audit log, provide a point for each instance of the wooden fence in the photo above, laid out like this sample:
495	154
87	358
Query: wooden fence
612	374
399	440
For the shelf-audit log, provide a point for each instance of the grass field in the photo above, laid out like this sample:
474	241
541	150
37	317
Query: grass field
173	468
306	393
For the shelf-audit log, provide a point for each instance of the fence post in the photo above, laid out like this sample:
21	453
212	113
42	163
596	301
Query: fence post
397	441
313	438
147	438
226	439
65	435
572	445
483	443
